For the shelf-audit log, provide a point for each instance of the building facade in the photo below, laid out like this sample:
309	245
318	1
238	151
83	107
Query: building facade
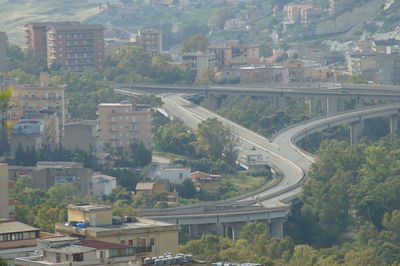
337	5
147	237
43	96
199	61
75	47
150	40
121	123
83	135
36	37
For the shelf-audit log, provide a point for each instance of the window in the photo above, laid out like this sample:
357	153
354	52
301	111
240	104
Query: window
113	252
58	258
152	241
130	242
77	257
122	242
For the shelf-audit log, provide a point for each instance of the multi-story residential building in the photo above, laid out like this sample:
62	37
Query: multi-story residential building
17	239
199	61
83	135
115	46
121	123
232	53
43	96
3	191
256	74
362	64
150	40
75	47
102	184
36	129
73	251
3	52
46	174
95	222
36	37
337	5
388	69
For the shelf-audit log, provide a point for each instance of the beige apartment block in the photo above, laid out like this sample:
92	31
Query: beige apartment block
121	123
147	237
43	96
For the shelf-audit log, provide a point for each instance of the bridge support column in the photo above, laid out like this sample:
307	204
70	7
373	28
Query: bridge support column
193	231
211	102
276	227
220	229
312	106
355	132
394	124
331	106
359	103
279	102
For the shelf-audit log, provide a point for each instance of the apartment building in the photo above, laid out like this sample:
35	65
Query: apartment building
43	96
83	135
233	53
114	46
121	123
297	12
3	52
36	37
75	47
150	40
388	69
95	222
36	129
3	191
199	61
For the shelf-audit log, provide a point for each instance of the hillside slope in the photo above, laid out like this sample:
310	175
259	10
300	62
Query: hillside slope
14	14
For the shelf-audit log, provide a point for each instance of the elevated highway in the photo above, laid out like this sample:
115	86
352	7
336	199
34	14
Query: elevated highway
270	204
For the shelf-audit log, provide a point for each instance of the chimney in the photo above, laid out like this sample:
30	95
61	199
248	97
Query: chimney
44	79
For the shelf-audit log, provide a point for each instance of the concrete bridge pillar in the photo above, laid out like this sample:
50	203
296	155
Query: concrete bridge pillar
279	102
211	102
276	227
394	123
220	229
193	231
355	131
312	105
331	105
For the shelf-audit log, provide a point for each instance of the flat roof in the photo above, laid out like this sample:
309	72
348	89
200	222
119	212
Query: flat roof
89	207
72	249
14	227
46	164
58	239
141	224
115	104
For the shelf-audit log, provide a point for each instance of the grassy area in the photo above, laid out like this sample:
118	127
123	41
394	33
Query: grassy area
14	15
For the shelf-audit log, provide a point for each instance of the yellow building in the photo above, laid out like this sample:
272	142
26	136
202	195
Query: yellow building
207	182
322	73
38	97
95	222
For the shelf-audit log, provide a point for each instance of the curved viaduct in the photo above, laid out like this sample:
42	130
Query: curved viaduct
270	204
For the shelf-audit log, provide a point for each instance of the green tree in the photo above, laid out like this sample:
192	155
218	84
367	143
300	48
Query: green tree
251	230
141	155
5	96
62	193
198	42
216	141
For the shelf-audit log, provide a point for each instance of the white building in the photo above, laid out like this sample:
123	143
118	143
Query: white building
102	184
175	175
199	61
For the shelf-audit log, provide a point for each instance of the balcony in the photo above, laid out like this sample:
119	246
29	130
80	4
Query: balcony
143	249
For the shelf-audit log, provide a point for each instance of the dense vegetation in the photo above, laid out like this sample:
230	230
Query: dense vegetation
262	117
350	214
